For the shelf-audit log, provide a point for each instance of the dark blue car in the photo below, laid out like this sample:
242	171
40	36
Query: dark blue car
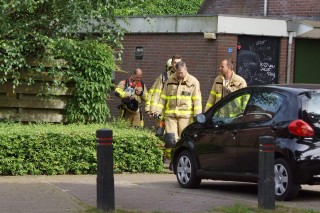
223	143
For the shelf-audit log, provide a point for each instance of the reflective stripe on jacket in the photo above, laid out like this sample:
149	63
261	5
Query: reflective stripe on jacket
221	88
155	92
180	99
120	89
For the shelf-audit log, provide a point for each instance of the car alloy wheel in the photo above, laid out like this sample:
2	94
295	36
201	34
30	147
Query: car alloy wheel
280	179
285	187
186	171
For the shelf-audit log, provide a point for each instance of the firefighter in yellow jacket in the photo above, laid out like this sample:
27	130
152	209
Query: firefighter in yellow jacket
225	83
156	89
132	92
155	92
180	102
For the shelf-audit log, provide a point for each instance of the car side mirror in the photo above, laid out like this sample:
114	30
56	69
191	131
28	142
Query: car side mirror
216	122
201	118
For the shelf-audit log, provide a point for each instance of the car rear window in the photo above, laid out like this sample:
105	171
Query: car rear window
312	109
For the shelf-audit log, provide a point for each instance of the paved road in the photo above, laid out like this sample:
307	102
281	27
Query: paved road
142	192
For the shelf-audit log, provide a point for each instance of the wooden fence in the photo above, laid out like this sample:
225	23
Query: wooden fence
25	104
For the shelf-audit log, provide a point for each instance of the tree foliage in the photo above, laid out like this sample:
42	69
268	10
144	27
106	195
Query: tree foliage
85	33
30	19
158	7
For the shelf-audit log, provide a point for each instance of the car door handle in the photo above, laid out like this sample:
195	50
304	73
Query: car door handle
234	133
274	128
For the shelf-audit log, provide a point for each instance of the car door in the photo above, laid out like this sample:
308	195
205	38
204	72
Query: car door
263	109
217	142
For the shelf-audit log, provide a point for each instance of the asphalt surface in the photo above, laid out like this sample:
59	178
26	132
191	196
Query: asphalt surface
138	192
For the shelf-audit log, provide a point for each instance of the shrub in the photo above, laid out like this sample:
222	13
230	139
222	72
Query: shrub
90	67
47	149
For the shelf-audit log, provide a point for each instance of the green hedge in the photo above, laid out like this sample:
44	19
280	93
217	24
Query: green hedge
38	149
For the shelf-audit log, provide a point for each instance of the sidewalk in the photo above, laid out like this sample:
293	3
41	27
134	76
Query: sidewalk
71	193
135	192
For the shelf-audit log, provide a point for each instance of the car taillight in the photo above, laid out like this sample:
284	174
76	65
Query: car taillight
300	128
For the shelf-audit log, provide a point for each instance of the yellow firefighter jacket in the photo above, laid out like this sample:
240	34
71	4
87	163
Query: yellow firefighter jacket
221	88
129	87
155	91
180	99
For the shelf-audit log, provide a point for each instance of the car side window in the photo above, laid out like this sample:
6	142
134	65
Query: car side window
232	111
263	106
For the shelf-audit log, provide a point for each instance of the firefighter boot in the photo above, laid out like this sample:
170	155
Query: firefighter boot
167	153
169	139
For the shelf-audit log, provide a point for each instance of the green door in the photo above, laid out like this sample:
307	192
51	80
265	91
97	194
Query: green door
307	61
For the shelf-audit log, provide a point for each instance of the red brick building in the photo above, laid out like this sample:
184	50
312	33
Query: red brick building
271	41
288	9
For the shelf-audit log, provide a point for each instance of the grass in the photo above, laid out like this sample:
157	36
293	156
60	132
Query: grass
236	208
95	210
242	208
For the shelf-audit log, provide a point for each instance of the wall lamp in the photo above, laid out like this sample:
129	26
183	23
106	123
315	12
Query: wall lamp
209	36
139	52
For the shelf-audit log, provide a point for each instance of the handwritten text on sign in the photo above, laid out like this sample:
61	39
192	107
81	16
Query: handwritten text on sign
257	59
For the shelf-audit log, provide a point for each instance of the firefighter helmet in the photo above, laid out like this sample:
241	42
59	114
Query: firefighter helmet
168	64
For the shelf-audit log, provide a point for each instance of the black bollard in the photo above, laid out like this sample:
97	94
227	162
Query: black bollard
105	179
266	191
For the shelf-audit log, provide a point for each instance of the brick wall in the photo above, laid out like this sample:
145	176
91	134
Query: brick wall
226	41
283	60
234	7
301	9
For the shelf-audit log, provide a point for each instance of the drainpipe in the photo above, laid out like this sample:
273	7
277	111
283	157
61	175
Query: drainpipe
289	57
265	7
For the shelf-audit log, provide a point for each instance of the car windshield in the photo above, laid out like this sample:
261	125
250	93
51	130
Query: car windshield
312	109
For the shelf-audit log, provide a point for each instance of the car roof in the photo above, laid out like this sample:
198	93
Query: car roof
292	88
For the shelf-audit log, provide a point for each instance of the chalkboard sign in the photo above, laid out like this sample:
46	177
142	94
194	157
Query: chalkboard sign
257	59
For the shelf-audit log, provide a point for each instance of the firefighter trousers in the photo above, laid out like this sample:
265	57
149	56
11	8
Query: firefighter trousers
176	125
134	118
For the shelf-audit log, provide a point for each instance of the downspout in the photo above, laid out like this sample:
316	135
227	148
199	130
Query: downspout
289	56
265	7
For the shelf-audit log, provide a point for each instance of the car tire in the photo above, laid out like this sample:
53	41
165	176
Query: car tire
285	188
186	170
